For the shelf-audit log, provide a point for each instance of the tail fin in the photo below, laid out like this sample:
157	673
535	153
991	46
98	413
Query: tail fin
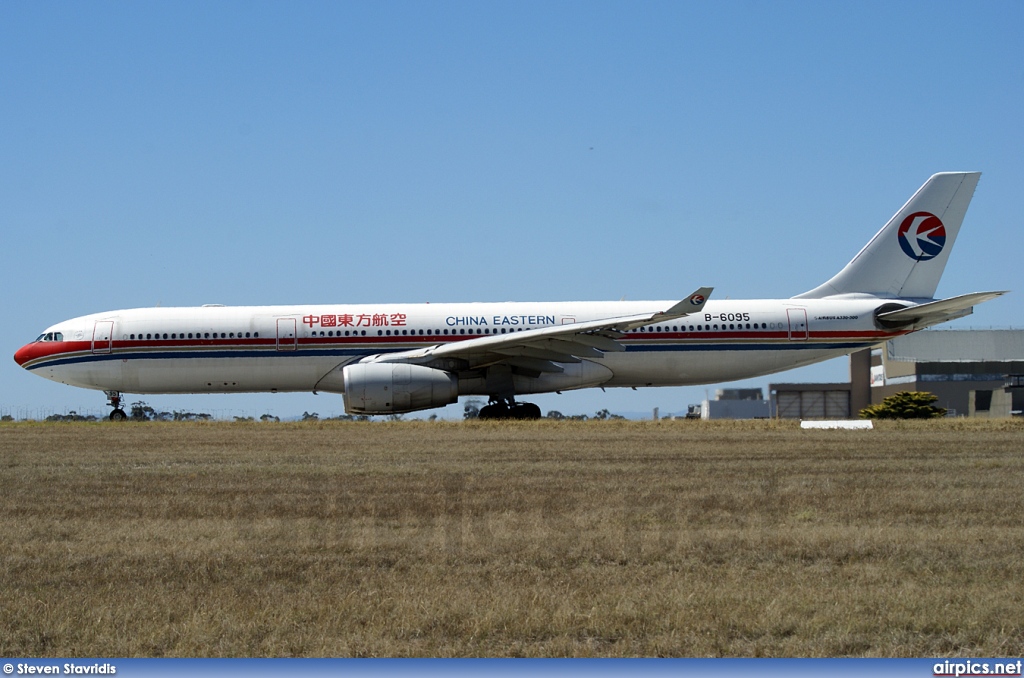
906	258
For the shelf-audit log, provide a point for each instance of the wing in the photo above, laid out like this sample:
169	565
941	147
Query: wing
540	349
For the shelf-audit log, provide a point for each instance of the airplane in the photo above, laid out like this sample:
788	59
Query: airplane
395	358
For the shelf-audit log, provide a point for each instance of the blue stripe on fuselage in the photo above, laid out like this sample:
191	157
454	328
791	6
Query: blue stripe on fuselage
345	352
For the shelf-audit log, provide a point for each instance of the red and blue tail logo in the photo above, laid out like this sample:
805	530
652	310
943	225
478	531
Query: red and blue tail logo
697	299
922	236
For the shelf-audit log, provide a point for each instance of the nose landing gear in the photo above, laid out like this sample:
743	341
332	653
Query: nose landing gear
114	400
500	408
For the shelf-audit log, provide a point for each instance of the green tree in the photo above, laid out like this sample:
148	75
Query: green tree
905	405
471	409
140	411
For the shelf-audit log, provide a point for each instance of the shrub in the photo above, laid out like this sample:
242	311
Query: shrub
905	405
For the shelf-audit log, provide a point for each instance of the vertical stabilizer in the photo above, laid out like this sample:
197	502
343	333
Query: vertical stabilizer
906	258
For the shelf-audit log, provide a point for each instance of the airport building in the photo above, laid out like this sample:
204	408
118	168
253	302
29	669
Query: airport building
974	373
736	403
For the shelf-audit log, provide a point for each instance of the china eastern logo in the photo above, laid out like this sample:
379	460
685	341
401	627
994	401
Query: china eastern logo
697	299
922	236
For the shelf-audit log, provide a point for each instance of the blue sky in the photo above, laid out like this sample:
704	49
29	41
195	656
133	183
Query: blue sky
305	152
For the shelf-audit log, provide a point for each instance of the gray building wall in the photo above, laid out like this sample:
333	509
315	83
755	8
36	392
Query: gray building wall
956	365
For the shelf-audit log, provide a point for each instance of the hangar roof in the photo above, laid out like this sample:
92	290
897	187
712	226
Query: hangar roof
934	346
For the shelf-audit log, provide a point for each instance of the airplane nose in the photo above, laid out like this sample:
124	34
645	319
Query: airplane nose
23	354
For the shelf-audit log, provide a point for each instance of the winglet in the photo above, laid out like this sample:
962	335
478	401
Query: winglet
691	304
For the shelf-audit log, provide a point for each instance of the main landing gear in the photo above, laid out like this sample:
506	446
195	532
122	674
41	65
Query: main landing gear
509	409
114	400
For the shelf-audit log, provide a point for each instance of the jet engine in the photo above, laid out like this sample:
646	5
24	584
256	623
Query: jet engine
393	388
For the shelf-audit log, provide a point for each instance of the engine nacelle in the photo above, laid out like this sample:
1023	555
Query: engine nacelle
393	388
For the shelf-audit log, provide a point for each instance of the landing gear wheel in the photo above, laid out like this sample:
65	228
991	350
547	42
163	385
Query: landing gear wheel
525	411
494	411
501	410
114	400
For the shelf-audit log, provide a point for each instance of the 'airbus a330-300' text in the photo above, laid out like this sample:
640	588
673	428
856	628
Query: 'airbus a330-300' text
395	358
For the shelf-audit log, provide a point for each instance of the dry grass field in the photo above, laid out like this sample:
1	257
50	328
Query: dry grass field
511	539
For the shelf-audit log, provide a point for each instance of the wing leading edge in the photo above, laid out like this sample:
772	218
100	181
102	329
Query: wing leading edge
540	349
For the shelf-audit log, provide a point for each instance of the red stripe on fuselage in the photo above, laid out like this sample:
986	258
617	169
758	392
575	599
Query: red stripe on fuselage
48	349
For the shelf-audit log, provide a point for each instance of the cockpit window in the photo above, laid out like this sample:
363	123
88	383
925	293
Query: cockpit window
51	336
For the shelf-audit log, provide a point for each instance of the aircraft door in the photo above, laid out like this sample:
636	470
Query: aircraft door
102	336
287	338
797	324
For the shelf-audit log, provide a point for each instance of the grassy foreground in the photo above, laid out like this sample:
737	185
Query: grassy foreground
511	539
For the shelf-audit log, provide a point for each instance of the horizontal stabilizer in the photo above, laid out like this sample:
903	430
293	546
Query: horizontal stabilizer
934	312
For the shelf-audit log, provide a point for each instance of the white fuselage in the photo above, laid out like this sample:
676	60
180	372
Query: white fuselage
216	349
394	358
